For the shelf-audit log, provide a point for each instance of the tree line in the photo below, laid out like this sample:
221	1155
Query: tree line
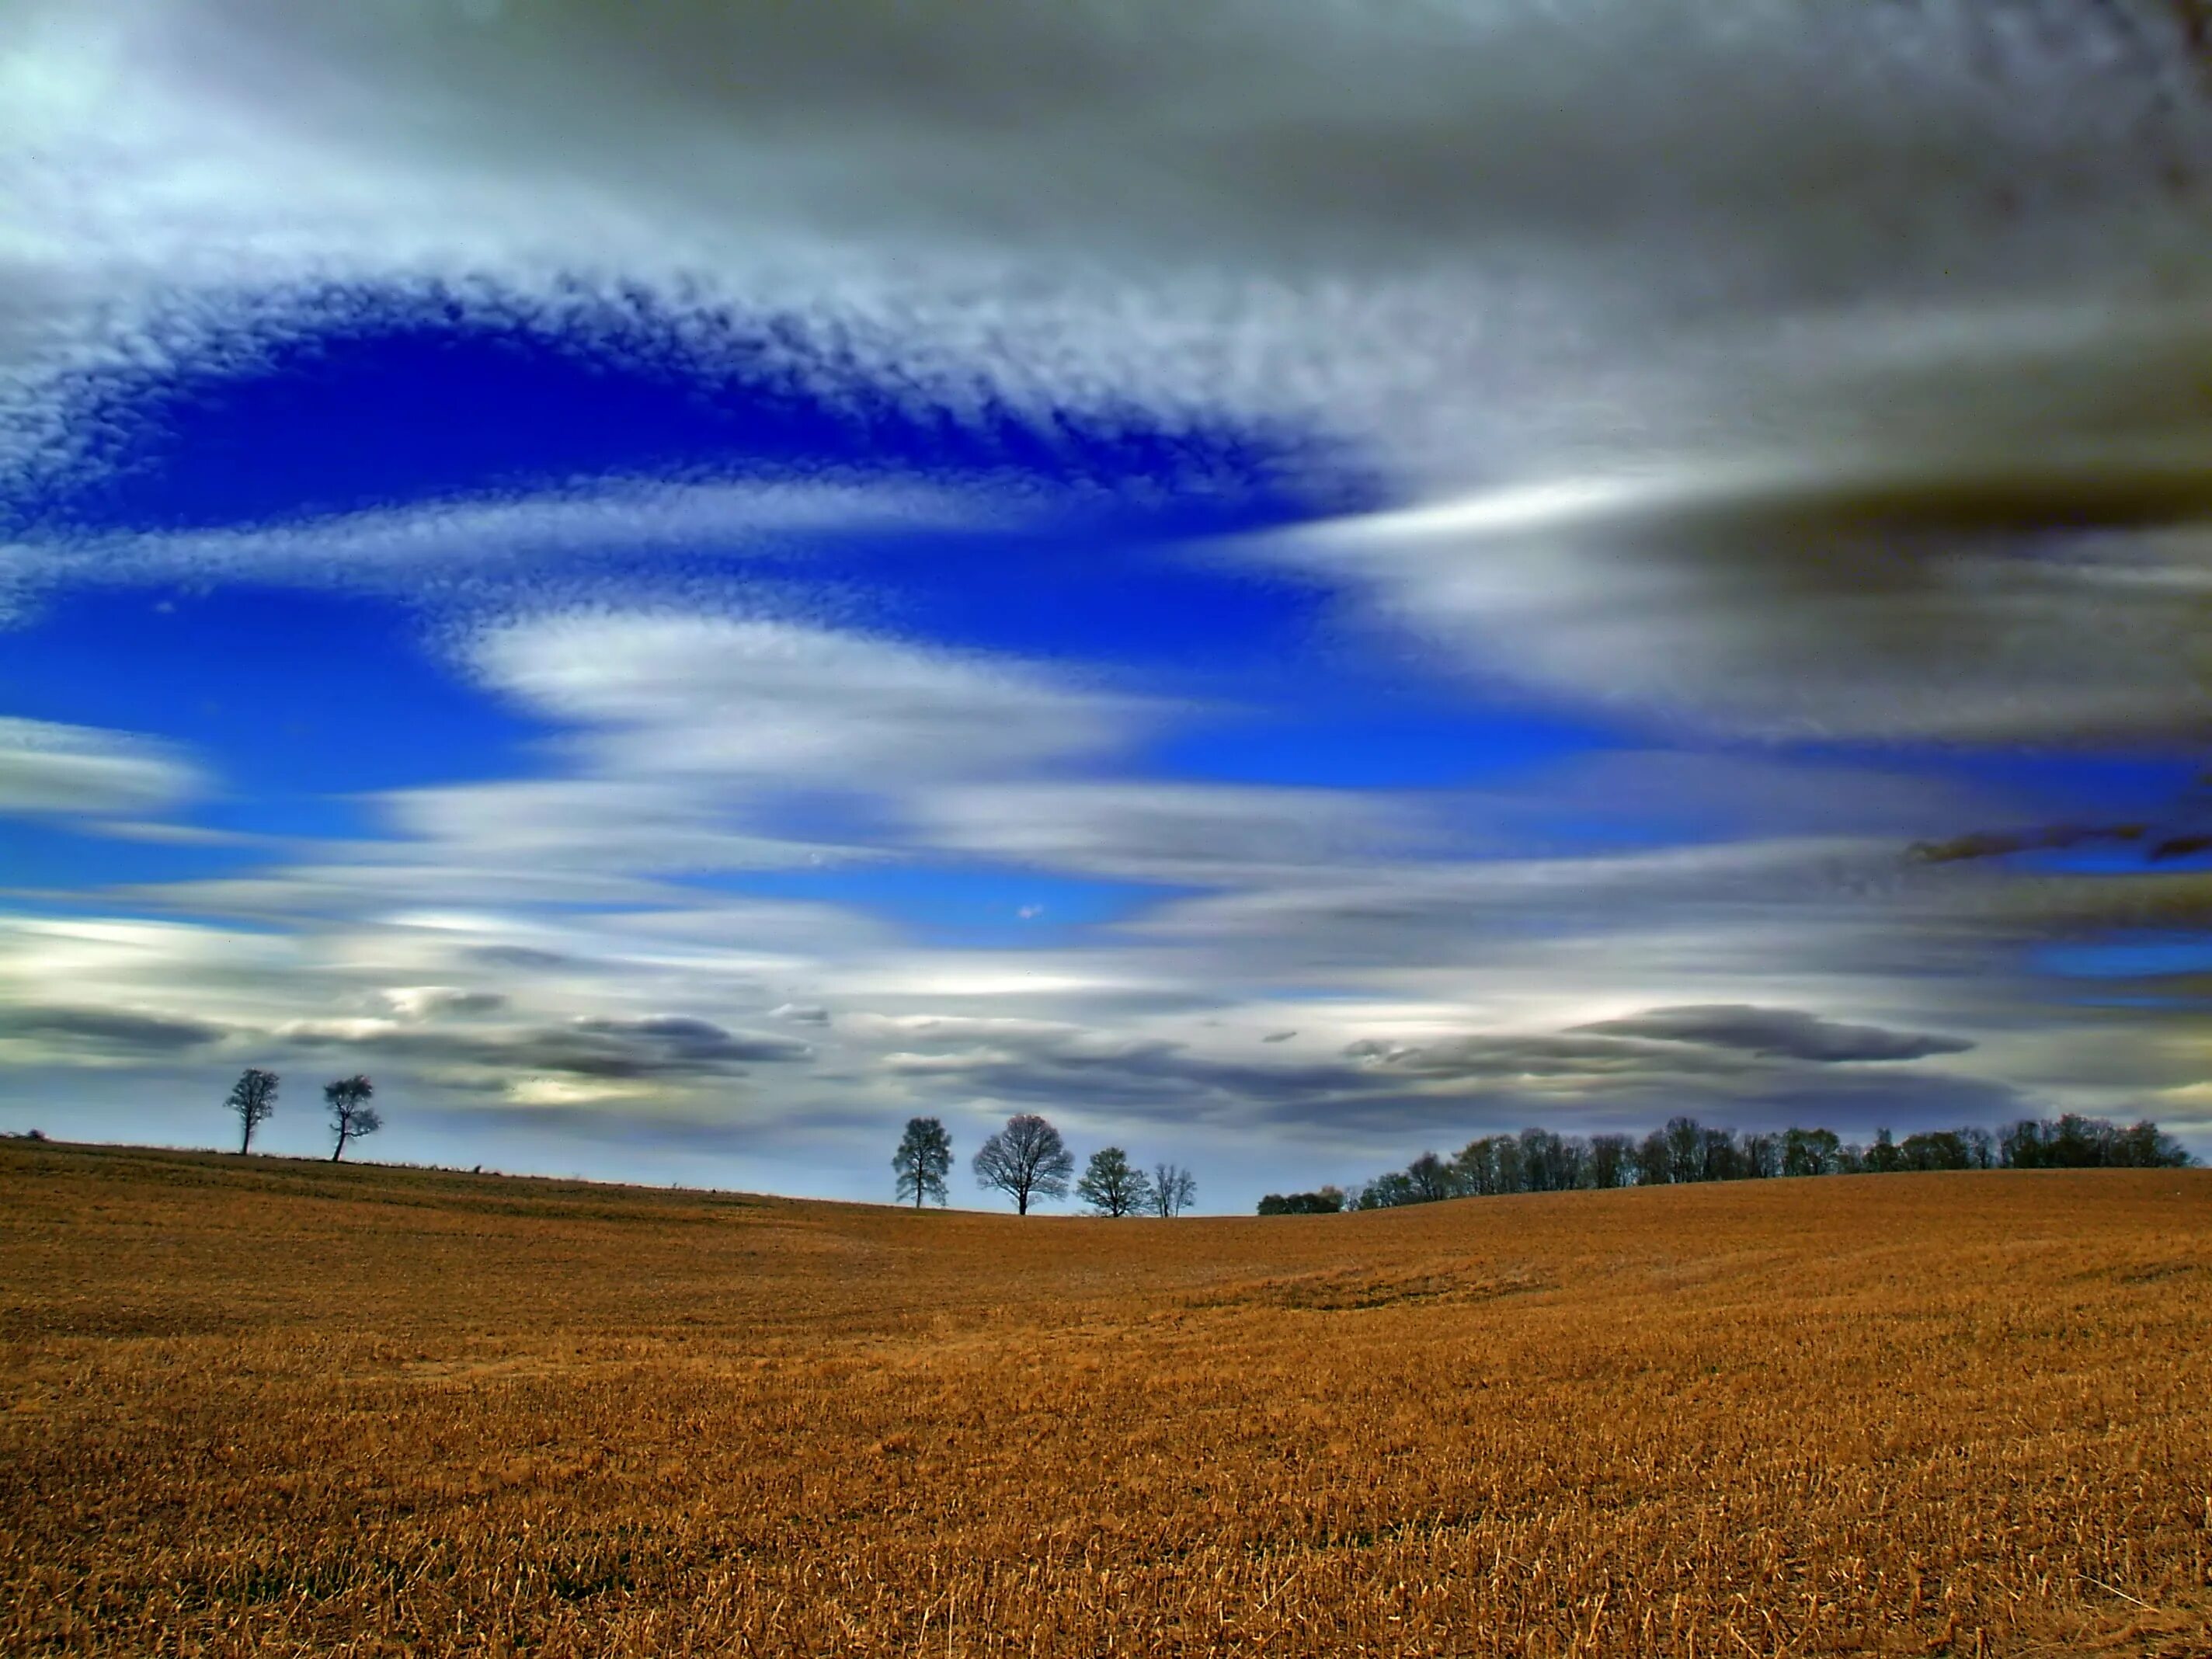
1028	1160
253	1099
1685	1151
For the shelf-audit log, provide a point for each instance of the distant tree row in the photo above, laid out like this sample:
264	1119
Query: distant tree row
1027	1160
254	1098
1326	1201
1540	1161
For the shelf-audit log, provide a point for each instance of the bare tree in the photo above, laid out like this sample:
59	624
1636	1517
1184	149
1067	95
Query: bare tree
1111	1185
1025	1160
1175	1189
351	1115
923	1160
253	1097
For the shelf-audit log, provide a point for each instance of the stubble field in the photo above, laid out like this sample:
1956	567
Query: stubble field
254	1406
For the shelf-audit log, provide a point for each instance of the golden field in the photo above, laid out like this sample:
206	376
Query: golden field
258	1406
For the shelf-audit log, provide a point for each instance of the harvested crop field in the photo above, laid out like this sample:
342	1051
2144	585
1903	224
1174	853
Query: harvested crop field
255	1406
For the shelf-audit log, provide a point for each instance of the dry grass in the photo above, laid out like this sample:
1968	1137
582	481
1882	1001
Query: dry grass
266	1406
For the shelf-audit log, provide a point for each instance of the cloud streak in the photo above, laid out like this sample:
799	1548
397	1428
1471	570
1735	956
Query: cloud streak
1779	1033
51	769
102	1033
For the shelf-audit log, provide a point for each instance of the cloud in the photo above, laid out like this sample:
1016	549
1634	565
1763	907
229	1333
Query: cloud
801	1013
697	1041
1528	1058
1732	897
442	1001
596	823
618	1049
47	768
121	1033
1940	594
1454	1085
1783	1033
1438	228
474	550
691	696
1199	834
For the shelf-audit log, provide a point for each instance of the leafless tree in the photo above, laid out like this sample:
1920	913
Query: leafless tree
1025	1160
1175	1189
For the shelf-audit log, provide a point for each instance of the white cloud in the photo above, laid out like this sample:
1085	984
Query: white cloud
47	768
782	702
478	552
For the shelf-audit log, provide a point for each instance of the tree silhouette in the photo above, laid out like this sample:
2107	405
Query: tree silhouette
253	1097
1326	1201
1175	1189
351	1115
923	1158
1111	1185
1025	1160
1432	1179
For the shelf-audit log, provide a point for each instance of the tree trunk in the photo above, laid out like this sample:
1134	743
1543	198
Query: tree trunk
339	1151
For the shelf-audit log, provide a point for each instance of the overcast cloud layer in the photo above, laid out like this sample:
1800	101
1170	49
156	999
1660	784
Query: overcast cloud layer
1280	582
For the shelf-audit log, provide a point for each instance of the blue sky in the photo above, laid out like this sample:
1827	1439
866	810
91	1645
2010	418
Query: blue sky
678	598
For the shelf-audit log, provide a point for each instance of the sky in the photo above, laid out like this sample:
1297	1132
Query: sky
1281	583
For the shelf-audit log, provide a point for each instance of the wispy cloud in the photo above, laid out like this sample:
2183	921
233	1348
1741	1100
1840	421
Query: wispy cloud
1784	1033
103	1035
47	768
692	695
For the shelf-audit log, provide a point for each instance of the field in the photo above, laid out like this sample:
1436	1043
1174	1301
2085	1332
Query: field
256	1406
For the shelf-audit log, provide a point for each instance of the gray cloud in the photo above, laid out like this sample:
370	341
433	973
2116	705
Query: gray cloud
664	1047
1949	594
442	1001
523	956
1781	1033
136	1034
1203	834
1518	1058
698	1042
1345	918
1461	1085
